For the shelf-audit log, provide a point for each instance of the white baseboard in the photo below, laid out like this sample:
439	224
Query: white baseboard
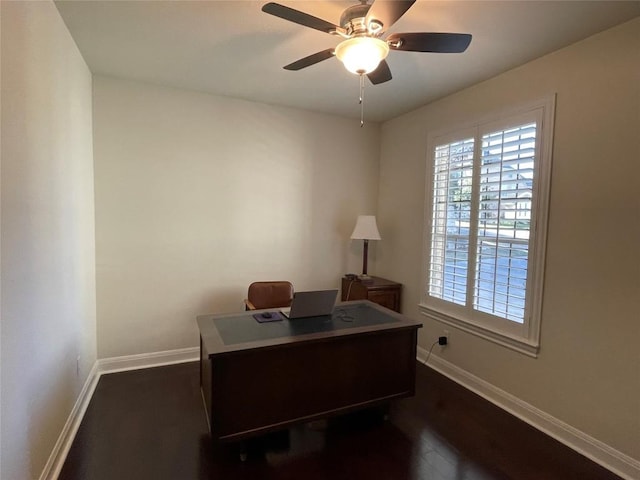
601	453
148	360
63	444
106	365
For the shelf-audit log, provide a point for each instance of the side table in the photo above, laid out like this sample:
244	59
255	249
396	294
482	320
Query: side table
378	290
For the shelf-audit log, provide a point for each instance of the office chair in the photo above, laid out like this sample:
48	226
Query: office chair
269	295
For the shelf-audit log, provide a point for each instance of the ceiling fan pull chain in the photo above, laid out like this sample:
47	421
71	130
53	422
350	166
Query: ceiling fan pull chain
361	101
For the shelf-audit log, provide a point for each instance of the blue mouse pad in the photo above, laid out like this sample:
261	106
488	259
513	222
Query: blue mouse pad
275	317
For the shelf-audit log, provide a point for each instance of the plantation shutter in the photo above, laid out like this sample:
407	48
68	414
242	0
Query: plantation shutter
504	221
452	187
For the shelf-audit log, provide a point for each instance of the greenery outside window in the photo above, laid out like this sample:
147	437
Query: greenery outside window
485	225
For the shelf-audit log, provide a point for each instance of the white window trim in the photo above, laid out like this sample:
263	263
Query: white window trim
523	338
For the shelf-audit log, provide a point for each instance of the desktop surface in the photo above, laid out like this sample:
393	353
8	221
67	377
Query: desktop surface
227	333
245	329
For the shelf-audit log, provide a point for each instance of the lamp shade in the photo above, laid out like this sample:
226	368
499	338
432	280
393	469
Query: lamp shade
366	228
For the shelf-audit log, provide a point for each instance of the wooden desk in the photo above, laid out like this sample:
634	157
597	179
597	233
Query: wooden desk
379	290
258	377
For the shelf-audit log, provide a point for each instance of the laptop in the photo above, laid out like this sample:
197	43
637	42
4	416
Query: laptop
311	304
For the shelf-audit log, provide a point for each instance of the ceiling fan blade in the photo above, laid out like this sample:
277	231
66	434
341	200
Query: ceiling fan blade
381	74
296	16
310	60
429	42
387	13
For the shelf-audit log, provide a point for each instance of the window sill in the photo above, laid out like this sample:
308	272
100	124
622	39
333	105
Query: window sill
518	344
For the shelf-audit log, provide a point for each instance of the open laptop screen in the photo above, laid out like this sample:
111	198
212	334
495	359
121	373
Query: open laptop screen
311	304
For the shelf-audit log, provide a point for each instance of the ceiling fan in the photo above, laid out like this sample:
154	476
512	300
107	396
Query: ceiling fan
362	51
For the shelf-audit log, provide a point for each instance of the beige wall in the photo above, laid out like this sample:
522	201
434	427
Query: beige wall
588	370
48	267
197	196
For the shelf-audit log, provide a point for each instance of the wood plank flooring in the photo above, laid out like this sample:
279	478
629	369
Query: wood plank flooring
150	424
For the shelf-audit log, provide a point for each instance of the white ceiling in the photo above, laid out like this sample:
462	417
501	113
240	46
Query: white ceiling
232	48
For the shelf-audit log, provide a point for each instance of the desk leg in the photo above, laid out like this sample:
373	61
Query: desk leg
205	382
386	412
243	451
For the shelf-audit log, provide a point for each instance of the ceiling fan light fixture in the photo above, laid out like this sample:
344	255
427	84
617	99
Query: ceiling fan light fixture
362	55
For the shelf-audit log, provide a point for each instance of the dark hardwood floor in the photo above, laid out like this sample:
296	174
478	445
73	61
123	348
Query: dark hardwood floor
150	424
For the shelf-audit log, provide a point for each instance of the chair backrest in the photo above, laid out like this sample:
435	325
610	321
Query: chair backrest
270	294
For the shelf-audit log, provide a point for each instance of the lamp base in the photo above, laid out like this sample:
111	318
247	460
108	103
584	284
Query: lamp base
364	278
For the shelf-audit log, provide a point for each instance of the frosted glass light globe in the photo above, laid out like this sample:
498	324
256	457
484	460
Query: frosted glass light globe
362	55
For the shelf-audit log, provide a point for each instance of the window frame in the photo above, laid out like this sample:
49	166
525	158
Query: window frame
522	337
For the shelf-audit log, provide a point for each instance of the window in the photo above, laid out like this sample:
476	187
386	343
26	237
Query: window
486	215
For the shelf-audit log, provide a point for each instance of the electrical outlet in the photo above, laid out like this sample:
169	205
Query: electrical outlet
444	338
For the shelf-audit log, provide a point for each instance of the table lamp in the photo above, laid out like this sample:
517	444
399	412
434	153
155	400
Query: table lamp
366	229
